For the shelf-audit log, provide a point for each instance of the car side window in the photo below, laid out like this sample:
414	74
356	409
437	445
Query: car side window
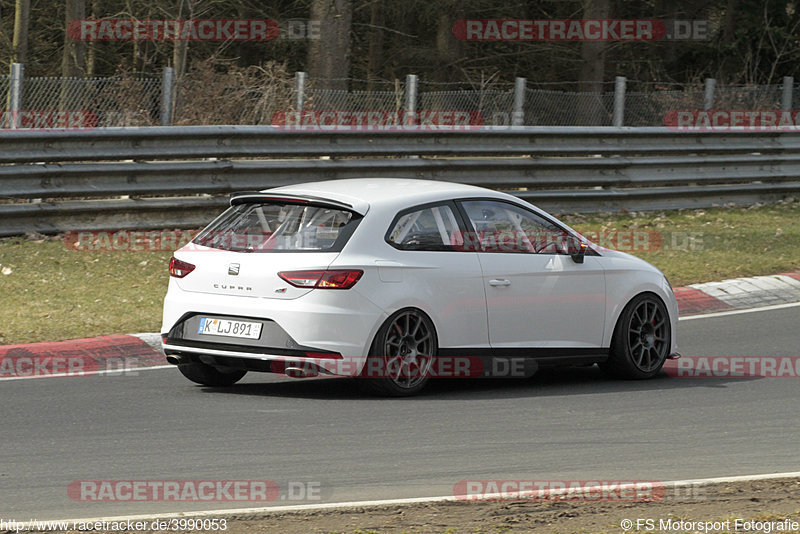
504	227
426	228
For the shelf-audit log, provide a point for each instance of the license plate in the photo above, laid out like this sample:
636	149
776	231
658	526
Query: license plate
226	327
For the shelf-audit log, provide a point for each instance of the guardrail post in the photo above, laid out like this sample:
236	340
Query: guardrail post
619	101
786	95
299	90
708	96
518	113
15	93
167	91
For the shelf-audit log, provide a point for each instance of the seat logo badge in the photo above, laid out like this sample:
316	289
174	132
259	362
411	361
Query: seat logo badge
233	269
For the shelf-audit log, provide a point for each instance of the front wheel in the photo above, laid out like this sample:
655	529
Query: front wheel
401	355
207	375
641	340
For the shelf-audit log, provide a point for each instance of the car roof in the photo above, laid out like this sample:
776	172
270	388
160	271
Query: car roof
386	192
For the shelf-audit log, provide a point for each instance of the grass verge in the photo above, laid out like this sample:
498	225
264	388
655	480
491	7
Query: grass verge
50	292
693	246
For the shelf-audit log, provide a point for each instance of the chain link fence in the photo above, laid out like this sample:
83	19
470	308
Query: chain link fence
755	97
5	83
649	109
329	99
492	106
246	96
560	108
117	101
254	96
382	96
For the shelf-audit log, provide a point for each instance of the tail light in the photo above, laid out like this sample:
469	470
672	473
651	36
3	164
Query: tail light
328	279
178	268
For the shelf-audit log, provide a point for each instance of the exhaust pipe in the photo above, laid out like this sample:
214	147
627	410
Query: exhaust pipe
175	359
300	372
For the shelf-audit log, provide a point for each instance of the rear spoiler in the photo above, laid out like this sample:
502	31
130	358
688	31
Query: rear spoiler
250	197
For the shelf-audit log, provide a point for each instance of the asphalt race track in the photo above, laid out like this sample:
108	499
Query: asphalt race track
570	424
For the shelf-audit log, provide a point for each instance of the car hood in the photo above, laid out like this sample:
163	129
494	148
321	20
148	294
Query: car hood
629	259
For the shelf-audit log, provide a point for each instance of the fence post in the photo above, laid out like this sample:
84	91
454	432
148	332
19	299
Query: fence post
518	113
708	97
299	90
619	101
411	100
410	115
167	89
15	93
786	95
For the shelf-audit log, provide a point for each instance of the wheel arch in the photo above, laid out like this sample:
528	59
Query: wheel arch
384	317
671	320
614	310
392	354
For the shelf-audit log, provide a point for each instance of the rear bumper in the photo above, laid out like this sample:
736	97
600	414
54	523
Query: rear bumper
273	351
265	360
309	328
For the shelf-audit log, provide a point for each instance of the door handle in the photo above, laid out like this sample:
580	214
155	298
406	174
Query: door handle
499	282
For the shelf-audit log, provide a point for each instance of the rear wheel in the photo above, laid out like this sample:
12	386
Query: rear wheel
208	375
401	355
641	340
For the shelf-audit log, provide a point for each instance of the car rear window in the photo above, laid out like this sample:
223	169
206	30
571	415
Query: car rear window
279	227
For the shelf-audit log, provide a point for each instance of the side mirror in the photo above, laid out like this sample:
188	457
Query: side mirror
578	255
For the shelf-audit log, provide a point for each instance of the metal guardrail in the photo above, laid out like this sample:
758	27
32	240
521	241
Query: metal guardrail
560	169
174	142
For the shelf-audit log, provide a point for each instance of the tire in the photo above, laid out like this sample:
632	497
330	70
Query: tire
641	340
208	375
401	355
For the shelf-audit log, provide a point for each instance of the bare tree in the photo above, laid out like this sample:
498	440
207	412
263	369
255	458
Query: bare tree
377	21
181	47
329	56
91	48
728	64
593	53
593	67
448	49
22	16
73	61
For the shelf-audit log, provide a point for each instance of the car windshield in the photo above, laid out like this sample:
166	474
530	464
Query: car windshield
275	227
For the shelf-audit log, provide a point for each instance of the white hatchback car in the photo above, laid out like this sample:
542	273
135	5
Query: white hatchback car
395	281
